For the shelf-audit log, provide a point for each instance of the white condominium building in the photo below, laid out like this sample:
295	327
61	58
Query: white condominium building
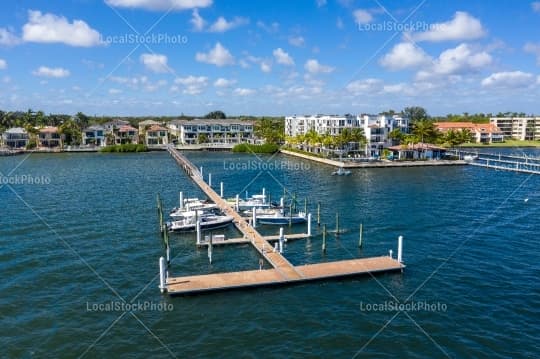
376	127
227	131
519	128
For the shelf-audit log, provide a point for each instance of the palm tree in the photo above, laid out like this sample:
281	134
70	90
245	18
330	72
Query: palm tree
425	131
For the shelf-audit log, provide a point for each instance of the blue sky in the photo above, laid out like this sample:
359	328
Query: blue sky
268	57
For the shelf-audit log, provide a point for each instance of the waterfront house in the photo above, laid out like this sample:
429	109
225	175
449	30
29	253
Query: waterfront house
519	128
126	134
15	137
49	137
415	151
143	125
114	125
95	135
481	132
156	135
225	132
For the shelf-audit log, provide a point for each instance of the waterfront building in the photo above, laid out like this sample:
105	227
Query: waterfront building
95	135
114	125
417	151
519	128
156	135
227	131
126	134
15	137
143	125
376	128
481	132
49	137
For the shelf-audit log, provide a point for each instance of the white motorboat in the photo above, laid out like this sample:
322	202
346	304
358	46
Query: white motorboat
189	224
257	201
191	205
341	172
279	218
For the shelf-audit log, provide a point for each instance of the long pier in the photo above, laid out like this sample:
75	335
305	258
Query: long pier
502	162
282	271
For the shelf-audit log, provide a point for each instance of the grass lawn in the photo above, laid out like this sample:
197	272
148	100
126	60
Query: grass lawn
507	143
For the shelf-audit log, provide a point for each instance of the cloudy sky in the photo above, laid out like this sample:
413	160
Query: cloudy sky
166	57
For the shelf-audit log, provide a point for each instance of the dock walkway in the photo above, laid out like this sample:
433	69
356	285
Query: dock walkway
282	271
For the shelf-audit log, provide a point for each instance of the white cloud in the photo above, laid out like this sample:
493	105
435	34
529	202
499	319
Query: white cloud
403	56
297	41
456	61
313	66
510	79
266	66
194	85
7	38
45	71
218	56
223	83
243	91
50	28
3	64
282	57
339	23
271	29
365	86
155	62
400	88
164	5
533	49
113	91
462	27
320	3
222	25
535	5
362	17
197	21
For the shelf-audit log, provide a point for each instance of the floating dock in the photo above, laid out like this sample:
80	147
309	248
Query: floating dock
501	162
282	272
245	240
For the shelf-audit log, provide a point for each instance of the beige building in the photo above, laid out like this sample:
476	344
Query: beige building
518	128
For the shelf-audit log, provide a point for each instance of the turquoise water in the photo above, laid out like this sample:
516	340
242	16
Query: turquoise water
87	237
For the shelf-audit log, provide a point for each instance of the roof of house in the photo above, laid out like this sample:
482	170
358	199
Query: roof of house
416	146
487	127
116	122
94	128
481	127
127	128
16	130
148	122
156	128
48	129
202	121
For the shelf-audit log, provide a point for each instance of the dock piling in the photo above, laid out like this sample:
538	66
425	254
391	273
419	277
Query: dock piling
281	239
361	235
198	232
162	276
309	224
324	238
282	204
210	249
181	199
210	179
254	219
390	252
337	223
318	213
264	195
400	249
221	189
237	202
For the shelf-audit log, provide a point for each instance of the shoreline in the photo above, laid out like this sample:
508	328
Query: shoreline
379	164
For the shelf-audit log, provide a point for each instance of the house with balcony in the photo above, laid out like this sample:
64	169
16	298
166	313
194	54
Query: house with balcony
126	134
15	138
114	125
95	135
481	132
49	137
156	135
518	128
225	132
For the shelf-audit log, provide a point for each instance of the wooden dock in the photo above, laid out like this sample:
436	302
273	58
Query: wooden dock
502	162
272	277
283	271
244	240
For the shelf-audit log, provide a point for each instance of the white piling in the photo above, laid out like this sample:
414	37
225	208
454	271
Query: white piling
254	219
200	170
282	205
168	253
210	249
181	200
162	275
210	179
281	239
237	203
221	189
390	253
264	195
198	225
400	249
309	224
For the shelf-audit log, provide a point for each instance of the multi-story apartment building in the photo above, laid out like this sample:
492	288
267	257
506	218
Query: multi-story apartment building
480	132
519	128
376	127
229	131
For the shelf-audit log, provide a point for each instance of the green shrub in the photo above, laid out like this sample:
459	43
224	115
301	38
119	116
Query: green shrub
264	148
